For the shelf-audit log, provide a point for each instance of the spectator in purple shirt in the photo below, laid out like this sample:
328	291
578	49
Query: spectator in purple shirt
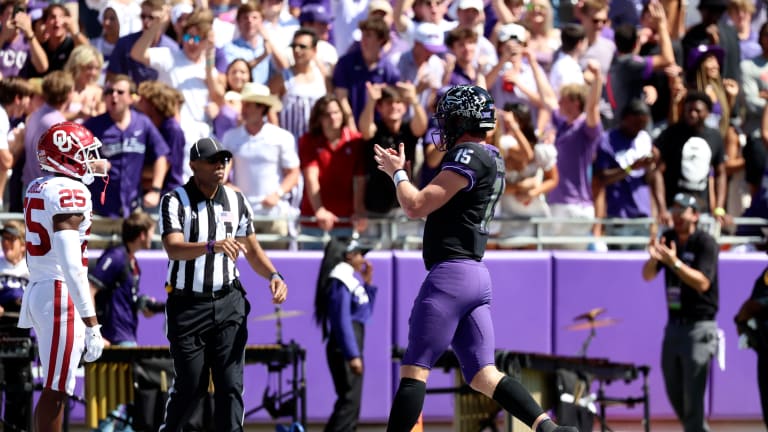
17	41
129	141
576	117
120	62
57	92
461	68
366	65
626	168
161	103
114	282
741	12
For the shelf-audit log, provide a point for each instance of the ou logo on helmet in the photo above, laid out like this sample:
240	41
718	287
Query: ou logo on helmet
63	140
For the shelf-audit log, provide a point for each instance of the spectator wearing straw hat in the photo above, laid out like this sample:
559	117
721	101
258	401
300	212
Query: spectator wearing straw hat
265	164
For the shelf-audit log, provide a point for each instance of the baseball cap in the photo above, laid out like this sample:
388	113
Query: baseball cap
430	35
472	4
354	245
179	10
206	148
686	200
314	13
512	31
380	5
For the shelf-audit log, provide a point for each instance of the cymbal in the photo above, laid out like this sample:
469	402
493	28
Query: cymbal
591	315
605	322
278	315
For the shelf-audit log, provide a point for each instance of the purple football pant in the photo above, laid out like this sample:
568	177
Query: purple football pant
453	308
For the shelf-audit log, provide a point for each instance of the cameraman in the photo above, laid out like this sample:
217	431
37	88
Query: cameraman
115	283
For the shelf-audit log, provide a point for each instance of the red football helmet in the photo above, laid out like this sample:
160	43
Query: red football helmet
69	148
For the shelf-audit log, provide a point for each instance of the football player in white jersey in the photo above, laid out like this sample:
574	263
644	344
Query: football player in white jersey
57	302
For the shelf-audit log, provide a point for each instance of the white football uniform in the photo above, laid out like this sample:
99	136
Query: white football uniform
47	305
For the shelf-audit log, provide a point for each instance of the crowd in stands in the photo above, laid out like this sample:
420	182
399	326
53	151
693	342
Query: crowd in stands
606	108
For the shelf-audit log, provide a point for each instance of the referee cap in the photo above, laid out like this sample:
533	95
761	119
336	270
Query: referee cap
206	148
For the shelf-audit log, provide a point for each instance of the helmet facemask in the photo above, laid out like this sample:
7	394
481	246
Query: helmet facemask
79	165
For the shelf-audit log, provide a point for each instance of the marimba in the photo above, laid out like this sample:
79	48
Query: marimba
537	373
109	381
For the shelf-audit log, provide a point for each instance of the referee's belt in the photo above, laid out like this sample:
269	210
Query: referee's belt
215	294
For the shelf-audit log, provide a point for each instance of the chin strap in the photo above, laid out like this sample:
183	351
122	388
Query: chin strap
104	191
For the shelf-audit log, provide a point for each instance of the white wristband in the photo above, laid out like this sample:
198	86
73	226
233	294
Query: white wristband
399	176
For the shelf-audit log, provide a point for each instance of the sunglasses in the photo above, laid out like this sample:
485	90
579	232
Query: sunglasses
187	37
147	17
215	160
109	91
299	46
597	21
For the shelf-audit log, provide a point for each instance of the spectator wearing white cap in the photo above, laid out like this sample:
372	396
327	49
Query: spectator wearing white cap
514	79
470	14
422	65
128	13
432	11
179	13
111	29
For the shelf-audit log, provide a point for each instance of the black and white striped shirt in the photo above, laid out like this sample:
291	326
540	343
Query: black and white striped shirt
199	219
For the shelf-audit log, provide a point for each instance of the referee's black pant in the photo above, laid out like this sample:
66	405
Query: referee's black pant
348	385
207	334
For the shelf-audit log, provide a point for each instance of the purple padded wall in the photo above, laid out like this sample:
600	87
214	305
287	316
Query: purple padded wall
587	280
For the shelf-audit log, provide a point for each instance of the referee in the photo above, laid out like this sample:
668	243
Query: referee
205	225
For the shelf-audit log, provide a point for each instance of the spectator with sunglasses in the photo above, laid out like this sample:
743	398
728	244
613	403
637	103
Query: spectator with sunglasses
129	141
593	15
120	61
191	70
300	85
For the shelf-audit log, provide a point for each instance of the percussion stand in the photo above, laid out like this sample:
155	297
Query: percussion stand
273	369
588	340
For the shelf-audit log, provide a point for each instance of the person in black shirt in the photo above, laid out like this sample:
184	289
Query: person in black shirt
453	304
689	257
688	150
389	130
756	308
205	226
